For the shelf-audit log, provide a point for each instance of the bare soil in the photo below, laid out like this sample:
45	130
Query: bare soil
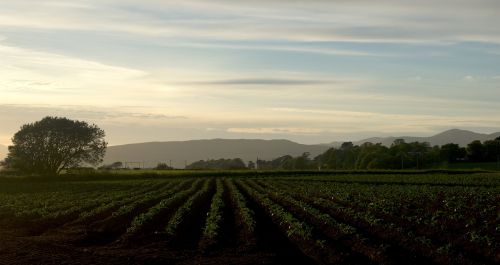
62	249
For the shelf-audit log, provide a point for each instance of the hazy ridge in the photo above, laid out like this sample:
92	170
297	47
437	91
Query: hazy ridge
461	137
181	152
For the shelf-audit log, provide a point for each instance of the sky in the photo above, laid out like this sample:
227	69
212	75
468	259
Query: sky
310	71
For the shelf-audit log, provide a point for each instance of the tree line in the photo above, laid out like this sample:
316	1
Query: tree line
400	155
54	144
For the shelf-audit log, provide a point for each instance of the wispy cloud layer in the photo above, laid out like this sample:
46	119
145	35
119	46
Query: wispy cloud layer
359	21
312	71
30	71
266	82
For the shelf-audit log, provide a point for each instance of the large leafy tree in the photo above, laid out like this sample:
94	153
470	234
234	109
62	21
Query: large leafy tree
53	144
475	151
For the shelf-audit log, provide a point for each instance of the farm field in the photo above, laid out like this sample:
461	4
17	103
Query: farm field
299	218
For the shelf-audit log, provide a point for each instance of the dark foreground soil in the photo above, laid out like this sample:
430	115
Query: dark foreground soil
63	249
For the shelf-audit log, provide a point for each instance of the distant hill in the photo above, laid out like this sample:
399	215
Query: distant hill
3	151
181	152
461	137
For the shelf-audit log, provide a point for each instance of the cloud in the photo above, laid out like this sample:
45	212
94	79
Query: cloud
266	81
291	46
12	116
165	69
35	77
351	21
84	112
283	130
136	124
341	120
33	67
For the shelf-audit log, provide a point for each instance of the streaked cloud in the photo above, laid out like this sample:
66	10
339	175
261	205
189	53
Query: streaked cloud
367	21
295	47
267	82
299	131
14	115
310	71
25	70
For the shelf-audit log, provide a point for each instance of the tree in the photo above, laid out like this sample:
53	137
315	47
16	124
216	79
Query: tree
346	146
235	163
450	152
491	150
163	166
285	162
475	151
302	162
53	144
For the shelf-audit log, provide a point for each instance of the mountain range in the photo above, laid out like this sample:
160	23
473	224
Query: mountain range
179	153
456	136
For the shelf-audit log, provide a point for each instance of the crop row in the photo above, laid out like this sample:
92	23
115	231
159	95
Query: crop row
434	179
386	229
51	204
214	217
296	230
344	234
245	217
126	200
145	221
331	222
184	211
